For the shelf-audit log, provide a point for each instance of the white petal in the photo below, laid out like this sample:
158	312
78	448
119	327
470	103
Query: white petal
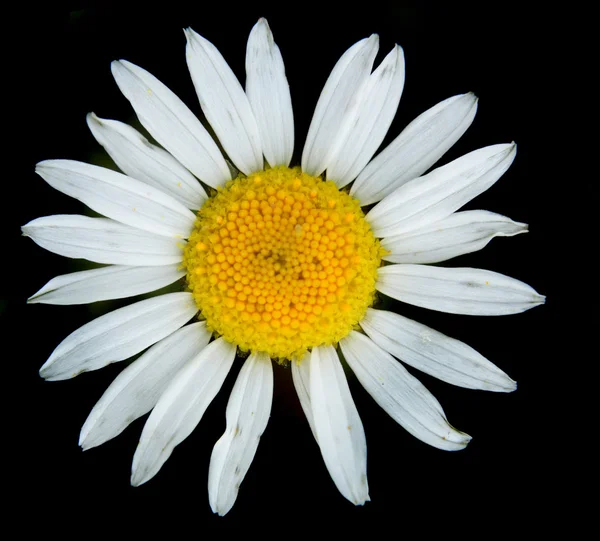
102	240
136	390
339	97
438	194
401	395
247	415
269	95
114	282
340	432
119	197
433	352
180	408
171	123
422	143
467	291
224	103
458	234
362	134
118	335
142	160
301	379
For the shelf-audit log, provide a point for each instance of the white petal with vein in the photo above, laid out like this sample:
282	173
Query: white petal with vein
433	352
103	241
438	194
171	123
119	335
363	132
136	390
269	95
340	432
339	98
224	103
301	379
142	160
119	197
422	143
114	282
247	415
180	408
402	396
458	234
467	291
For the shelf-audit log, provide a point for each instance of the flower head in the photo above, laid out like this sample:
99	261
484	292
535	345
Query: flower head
276	262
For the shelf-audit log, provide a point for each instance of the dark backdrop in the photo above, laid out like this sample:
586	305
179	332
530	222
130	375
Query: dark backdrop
506	477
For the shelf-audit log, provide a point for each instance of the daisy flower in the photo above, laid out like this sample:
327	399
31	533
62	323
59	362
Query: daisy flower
280	263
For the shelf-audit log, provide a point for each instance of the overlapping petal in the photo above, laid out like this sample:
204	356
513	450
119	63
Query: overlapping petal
420	145
180	408
142	160
136	390
119	197
119	335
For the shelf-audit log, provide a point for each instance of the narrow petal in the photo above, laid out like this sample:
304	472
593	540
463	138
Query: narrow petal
438	194
118	335
119	197
301	379
247	415
142	160
434	353
180	408
114	282
340	432
362	134
269	95
422	143
338	99
171	123
458	234
102	240
136	390
224	103
401	395
474	292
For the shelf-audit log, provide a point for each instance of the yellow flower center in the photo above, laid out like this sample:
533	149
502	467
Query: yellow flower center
281	262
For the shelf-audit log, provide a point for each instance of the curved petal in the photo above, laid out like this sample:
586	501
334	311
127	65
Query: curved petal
140	159
180	408
102	240
118	335
337	100
224	103
171	123
362	134
438	194
401	395
301	379
340	432
136	390
474	292
247	415
119	197
114	282
269	95
422	143
458	234
434	353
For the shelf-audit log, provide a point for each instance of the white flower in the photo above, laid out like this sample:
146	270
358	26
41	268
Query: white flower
303	292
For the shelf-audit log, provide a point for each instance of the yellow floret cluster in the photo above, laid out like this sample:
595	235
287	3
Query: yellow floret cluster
281	261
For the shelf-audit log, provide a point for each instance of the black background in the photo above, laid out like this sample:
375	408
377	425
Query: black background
509	477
